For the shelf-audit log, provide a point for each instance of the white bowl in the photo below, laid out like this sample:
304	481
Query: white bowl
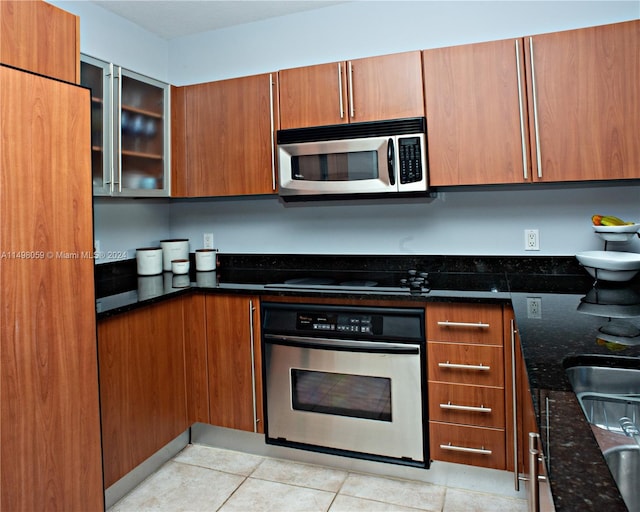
610	265
617	233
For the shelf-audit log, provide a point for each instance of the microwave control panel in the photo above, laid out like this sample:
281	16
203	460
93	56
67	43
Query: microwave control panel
410	159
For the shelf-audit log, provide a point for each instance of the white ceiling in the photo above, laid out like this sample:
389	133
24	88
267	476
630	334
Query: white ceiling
176	18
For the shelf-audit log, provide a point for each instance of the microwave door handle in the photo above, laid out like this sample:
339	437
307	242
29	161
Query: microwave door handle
390	162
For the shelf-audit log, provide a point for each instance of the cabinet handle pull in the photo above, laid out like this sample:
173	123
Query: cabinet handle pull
534	482
469	408
479	367
340	98
119	137
454	448
521	107
535	108
480	325
108	152
514	398
351	105
273	156
253	368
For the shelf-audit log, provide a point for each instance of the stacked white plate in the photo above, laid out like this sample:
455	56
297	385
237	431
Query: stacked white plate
617	233
610	265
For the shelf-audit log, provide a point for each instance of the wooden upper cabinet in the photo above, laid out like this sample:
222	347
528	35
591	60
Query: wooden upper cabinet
476	115
227	147
40	37
563	106
584	95
370	89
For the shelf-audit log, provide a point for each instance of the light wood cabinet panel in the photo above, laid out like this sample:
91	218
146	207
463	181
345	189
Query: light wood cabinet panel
555	107
370	89
446	403
481	365
585	85
40	37
465	323
142	384
195	348
313	96
50	419
179	171
228	137
468	406
483	447
234	362
476	110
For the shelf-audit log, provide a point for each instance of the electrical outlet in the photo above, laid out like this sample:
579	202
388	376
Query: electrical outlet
207	240
534	307
531	240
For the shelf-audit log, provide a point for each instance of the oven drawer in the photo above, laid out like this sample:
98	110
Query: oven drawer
465	323
461	444
468	405
466	364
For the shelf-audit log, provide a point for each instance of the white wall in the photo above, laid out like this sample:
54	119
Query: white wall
366	28
460	222
488	221
109	37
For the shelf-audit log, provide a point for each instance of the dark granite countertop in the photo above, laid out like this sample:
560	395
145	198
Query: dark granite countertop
577	319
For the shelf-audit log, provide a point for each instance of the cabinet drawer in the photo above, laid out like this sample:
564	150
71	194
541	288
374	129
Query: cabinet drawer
468	405
466	364
475	446
465	323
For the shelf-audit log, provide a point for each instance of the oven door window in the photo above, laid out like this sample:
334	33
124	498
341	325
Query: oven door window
358	396
351	166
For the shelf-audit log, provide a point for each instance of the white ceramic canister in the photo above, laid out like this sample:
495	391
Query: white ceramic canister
149	261
175	249
206	260
180	266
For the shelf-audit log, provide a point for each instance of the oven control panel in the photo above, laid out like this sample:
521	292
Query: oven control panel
339	322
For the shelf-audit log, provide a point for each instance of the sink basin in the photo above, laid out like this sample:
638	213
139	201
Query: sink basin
605	380
624	463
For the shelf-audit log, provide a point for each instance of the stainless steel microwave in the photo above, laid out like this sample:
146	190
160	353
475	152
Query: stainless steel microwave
382	157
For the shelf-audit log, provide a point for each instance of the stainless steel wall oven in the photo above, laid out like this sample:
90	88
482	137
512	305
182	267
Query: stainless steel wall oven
346	380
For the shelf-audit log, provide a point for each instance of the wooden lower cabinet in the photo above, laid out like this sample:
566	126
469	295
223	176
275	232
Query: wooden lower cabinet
234	362
142	384
469	382
466	444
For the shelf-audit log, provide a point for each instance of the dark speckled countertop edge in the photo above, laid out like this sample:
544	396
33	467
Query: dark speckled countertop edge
578	474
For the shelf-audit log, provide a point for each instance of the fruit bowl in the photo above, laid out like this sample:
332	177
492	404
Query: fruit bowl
610	265
617	233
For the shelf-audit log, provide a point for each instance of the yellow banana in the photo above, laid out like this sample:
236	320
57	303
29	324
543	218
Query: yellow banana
610	220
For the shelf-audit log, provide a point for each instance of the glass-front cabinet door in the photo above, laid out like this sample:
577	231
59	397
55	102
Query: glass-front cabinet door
130	130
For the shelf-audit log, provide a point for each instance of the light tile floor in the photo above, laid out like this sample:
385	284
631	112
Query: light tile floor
202	478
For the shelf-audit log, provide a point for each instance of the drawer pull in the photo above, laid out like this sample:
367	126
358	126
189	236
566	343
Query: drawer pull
454	448
458	366
480	325
470	408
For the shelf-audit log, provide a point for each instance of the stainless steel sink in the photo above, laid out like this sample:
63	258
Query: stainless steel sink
604	380
607	394
624	463
610	399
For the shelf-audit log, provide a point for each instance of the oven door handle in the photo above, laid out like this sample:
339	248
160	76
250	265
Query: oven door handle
377	347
